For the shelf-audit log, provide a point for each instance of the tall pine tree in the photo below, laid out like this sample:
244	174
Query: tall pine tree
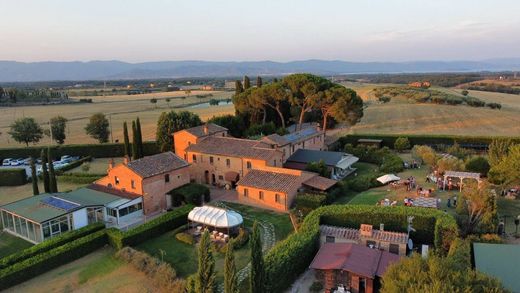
257	275
238	87
205	280
45	173
230	271
259	81
247	82
34	178
135	154
128	150
140	151
53	185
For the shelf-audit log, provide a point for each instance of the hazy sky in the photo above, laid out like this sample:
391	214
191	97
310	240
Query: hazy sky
280	30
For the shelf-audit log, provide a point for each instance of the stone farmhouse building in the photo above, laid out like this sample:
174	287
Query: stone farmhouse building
253	167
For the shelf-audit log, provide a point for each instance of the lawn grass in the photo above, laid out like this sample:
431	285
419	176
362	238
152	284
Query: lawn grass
183	257
510	209
369	197
100	267
10	244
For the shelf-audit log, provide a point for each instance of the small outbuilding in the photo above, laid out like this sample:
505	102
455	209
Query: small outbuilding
217	218
339	164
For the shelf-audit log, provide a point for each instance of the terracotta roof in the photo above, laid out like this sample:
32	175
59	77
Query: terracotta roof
271	181
320	183
390	236
354	258
233	147
340	232
198	131
113	191
354	234
157	164
275	139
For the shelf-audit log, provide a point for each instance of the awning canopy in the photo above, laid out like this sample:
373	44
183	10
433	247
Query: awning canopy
388	178
215	217
346	162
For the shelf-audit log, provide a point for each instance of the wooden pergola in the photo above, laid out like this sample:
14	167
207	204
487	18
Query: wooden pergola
461	176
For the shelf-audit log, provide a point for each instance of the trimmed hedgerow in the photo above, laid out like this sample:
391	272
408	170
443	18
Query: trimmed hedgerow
73	165
43	262
291	257
153	228
105	150
12	177
50	244
310	201
80	178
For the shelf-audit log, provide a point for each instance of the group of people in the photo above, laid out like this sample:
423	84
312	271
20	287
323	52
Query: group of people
408	201
411	183
450	200
411	165
386	203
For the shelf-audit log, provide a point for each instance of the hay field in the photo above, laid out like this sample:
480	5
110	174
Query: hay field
406	118
117	112
160	95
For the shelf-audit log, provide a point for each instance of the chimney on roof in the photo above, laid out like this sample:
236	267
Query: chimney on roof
126	160
110	164
366	230
205	129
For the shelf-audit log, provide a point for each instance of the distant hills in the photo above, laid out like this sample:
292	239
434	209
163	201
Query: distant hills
11	71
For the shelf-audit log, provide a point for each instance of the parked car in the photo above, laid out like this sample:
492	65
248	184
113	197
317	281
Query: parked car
27	161
17	162
7	162
68	159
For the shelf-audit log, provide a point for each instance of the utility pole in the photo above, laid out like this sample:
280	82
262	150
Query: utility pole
110	122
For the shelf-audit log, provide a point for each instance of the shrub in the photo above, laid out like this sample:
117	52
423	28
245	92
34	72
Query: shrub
289	258
45	261
49	244
363	182
384	99
260	129
162	274
310	200
494	106
153	228
185	238
401	144
478	164
192	193
12	177
318	167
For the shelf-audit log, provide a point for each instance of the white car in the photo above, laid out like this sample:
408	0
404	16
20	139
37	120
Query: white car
7	162
17	162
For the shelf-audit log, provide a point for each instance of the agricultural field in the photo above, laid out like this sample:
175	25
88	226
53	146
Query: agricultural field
117	112
399	116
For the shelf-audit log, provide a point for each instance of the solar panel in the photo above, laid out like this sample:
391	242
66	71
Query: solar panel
59	203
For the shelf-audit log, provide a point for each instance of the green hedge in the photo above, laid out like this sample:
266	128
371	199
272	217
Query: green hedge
12	177
291	257
105	150
191	193
310	200
153	228
43	262
389	140
80	178
73	165
49	244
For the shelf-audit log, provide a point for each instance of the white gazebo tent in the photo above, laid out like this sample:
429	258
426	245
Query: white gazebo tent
388	178
218	218
461	176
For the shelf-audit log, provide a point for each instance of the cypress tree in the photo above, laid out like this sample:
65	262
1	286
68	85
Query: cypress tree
53	186
259	81
205	280
128	150
34	178
45	174
238	87
135	154
139	138
256	277
230	271
247	82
